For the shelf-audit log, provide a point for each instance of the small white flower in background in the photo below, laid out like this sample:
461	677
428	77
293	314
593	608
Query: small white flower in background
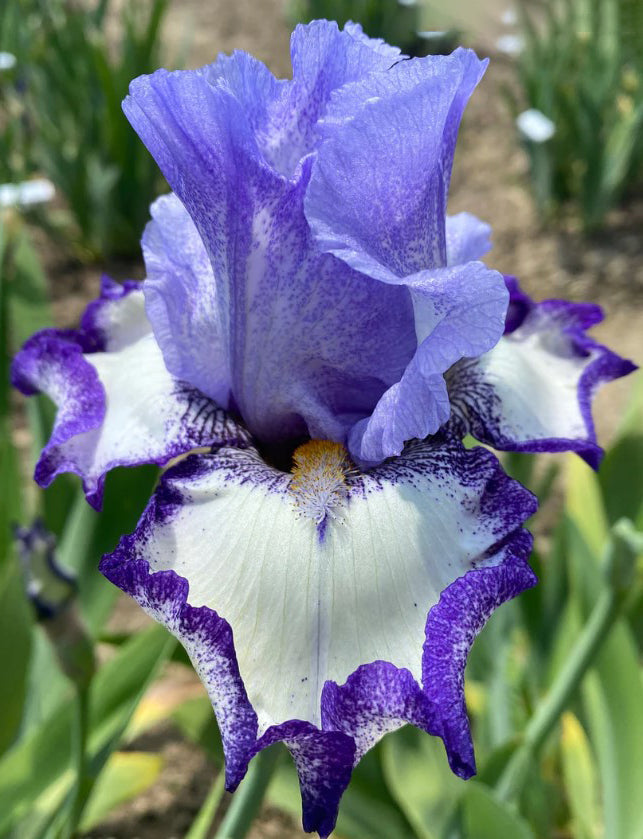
27	193
432	34
407	2
509	17
535	126
510	44
7	61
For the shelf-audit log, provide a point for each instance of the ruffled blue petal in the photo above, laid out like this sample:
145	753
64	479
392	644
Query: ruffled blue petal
181	296
307	344
378	194
459	313
467	238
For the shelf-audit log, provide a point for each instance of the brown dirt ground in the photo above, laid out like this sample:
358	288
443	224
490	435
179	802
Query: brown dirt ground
490	180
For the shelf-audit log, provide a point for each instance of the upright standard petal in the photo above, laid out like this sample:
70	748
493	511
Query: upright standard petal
310	346
533	391
467	238
339	570
181	295
117	403
324	59
377	198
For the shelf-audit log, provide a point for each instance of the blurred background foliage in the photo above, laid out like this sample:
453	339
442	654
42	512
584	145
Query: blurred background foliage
579	63
581	66
62	108
408	24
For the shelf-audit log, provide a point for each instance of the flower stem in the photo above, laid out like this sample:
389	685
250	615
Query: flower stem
625	544
83	783
247	800
200	828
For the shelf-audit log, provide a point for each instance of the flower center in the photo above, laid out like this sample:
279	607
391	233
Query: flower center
318	481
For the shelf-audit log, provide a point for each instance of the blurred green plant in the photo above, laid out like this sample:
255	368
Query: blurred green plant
62	114
582	68
408	24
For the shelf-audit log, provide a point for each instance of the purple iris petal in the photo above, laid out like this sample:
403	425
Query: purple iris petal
295	340
378	194
459	313
309	345
467	238
180	289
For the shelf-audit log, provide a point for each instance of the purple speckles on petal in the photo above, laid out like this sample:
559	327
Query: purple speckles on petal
208	641
451	628
324	762
376	699
533	390
105	322
52	362
117	406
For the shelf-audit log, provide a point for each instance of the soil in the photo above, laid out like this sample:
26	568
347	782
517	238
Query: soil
490	180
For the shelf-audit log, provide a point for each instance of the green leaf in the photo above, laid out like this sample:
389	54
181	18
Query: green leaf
420	780
485	817
621	479
126	775
584	504
202	824
196	720
613	697
632	418
16	623
581	782
127	492
29	291
35	775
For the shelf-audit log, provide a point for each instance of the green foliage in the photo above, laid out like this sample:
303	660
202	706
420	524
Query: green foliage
64	118
403	24
582	67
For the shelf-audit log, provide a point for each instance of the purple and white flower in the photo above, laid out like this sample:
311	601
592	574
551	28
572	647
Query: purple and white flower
325	334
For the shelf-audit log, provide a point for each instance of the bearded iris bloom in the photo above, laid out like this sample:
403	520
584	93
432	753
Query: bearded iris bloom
316	325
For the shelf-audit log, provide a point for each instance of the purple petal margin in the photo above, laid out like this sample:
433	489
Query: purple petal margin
207	639
53	362
91	334
55	358
379	697
324	759
451	628
572	319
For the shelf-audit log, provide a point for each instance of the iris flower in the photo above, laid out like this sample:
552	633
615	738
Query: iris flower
316	326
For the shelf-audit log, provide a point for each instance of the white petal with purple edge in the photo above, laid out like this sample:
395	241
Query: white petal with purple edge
311	597
117	403
533	390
